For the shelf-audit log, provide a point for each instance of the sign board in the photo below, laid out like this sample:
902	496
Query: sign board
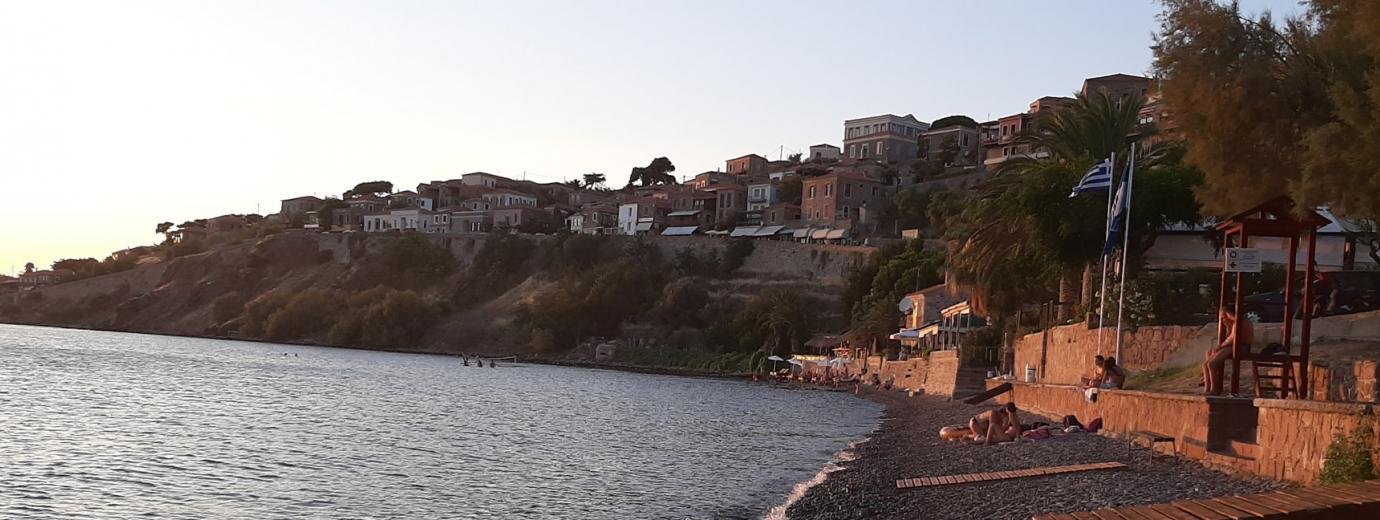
1242	260
910	234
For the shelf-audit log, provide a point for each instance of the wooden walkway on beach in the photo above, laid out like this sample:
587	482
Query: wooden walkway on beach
1344	501
907	483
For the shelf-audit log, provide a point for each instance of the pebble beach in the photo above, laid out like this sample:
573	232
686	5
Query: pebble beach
906	445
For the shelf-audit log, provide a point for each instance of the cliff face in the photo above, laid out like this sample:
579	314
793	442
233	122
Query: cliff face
469	308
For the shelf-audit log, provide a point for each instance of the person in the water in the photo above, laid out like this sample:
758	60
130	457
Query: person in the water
466	361
493	364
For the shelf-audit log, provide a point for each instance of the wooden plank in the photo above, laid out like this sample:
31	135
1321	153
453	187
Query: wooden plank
1293	504
1341	494
1172	512
1144	512
1260	510
1200	511
1085	515
1229	510
1313	496
1108	514
990	393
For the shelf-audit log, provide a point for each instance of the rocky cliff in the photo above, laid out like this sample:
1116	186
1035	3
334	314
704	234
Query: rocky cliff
386	291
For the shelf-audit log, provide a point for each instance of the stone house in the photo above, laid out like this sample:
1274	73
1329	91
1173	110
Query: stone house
746	165
513	217
469	221
402	219
487	180
840	199
825	152
885	137
298	206
503	198
225	223
1117	86
780	214
44	277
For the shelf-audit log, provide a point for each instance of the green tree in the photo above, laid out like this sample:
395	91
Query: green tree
777	320
791	189
28	267
376	188
326	213
657	172
593	180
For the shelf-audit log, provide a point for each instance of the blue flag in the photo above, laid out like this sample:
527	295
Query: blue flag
1120	208
1098	178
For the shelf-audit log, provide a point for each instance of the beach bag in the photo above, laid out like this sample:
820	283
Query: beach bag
1094	425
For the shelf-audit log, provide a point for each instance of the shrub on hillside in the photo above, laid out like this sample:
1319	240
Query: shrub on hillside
735	254
416	259
383	317
499	264
579	252
689	263
595	302
227	306
681	302
307	314
258	310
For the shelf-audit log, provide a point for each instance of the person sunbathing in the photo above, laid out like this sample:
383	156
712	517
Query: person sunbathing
995	425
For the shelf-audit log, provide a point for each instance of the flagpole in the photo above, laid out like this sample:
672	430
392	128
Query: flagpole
1106	233
1125	245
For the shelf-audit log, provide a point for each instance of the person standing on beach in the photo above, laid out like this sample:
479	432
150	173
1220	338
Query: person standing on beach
1214	366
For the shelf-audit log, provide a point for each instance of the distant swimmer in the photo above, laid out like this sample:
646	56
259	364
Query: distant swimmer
466	361
493	364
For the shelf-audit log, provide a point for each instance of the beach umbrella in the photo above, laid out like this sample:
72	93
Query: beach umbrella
774	358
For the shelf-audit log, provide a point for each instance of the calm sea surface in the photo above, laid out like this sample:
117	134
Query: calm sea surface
112	425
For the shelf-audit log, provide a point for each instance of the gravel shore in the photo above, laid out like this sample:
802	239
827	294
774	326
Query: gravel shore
906	445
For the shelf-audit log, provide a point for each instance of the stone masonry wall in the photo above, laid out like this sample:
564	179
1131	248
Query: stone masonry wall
942	377
909	374
1291	436
1069	356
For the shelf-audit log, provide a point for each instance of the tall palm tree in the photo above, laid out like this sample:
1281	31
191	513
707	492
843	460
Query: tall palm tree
1024	211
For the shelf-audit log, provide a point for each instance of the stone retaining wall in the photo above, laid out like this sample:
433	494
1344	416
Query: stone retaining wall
1289	440
1068	357
943	373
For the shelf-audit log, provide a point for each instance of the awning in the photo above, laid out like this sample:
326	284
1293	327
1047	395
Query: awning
679	231
787	231
837	234
820	234
801	233
906	334
766	231
745	231
644	226
684	213
716	232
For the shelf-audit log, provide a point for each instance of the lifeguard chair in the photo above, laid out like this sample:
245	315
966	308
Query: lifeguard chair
1279	373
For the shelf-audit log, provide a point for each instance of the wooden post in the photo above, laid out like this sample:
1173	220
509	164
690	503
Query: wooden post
1236	353
1287	340
1307	327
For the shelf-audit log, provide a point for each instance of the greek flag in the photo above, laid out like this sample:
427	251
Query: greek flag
1098	178
1118	217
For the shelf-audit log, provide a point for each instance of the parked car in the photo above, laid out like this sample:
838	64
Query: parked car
1353	291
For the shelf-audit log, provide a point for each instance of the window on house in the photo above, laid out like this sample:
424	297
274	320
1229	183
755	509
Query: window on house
874	191
847	190
828	190
812	193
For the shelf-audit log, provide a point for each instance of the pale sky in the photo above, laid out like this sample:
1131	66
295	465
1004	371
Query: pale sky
115	116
